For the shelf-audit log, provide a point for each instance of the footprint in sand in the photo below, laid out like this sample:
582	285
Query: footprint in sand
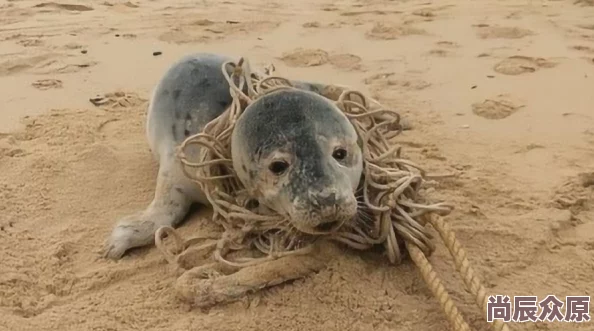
117	100
586	26
10	14
121	7
13	66
71	46
63	6
584	3
46	84
431	12
484	31
206	30
310	25
424	13
574	193
30	42
301	57
333	25
380	81
345	61
390	31
51	63
517	65
370	12
448	44
495	109
438	52
586	49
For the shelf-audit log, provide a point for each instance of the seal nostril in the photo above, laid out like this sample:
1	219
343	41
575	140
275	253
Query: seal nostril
326	200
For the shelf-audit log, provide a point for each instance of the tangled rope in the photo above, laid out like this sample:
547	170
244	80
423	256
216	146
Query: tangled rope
392	210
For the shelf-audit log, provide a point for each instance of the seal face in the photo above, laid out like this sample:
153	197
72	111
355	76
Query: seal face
297	153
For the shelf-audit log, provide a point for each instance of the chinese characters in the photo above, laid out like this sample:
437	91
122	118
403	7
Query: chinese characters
529	309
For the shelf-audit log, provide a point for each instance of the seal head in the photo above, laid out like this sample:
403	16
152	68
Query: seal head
298	154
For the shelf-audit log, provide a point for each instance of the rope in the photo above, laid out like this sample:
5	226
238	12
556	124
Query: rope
471	280
434	283
392	211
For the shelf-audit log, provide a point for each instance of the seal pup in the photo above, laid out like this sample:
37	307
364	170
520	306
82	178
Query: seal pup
293	161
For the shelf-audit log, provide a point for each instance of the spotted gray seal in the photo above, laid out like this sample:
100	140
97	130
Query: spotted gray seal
295	151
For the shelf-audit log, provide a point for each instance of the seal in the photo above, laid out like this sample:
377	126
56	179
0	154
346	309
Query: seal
298	154
295	151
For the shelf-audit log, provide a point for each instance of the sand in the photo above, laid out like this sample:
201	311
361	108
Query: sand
498	92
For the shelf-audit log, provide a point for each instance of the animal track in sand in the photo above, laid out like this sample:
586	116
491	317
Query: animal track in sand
10	15
370	12
329	8
305	57
51	63
575	193
120	6
438	52
17	37
586	49
584	3
31	42
424	13
586	26
63	6
517	65
382	80
117	100
430	12
449	44
390	31
309	25
345	61
46	84
301	57
495	109
333	25
205	30
484	31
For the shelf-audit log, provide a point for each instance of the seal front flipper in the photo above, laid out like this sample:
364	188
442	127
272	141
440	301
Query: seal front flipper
168	208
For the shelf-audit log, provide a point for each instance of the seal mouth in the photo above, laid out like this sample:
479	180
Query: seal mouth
321	229
329	226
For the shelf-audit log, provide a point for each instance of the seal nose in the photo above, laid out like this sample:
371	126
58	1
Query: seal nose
324	199
327	200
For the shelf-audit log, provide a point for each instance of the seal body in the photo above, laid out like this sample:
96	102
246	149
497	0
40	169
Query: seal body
191	93
297	153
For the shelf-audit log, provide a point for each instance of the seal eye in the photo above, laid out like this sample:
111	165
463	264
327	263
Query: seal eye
278	167
339	154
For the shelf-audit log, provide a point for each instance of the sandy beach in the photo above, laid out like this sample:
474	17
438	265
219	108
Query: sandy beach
500	93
